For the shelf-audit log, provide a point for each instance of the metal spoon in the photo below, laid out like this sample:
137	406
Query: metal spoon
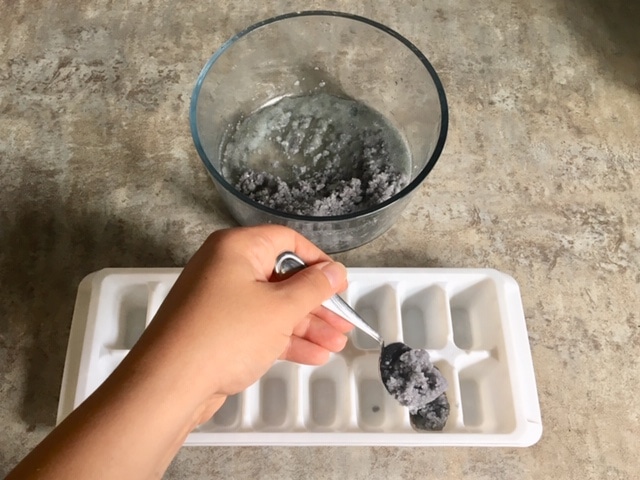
288	262
394	371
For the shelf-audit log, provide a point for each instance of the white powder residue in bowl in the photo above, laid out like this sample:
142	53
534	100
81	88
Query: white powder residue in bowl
317	155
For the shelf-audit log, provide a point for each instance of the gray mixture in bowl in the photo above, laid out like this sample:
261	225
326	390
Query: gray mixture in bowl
316	155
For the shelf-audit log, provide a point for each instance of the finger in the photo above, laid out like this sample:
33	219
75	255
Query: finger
261	245
303	351
321	333
333	319
307	289
275	239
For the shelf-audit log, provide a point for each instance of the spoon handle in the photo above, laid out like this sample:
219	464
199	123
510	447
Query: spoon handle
290	262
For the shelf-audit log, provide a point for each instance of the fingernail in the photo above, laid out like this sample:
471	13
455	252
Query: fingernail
335	272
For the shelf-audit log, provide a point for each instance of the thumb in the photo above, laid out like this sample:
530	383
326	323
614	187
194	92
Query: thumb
309	287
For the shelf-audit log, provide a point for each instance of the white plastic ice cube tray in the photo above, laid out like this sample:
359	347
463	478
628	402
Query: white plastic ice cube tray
470	321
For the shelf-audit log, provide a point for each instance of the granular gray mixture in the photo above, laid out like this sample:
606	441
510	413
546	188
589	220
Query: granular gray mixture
433	416
414	381
317	155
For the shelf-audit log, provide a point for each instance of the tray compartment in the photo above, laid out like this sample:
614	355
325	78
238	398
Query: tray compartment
376	410
227	418
475	317
487	403
277	398
425	317
378	305
325	394
132	315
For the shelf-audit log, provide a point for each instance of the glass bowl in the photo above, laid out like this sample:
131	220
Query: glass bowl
306	53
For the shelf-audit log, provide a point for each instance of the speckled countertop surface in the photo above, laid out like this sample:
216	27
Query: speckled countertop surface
540	179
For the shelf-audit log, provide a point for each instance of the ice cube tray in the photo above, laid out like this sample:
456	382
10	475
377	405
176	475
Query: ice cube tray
470	320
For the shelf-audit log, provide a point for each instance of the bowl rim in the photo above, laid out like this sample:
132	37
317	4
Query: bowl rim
442	136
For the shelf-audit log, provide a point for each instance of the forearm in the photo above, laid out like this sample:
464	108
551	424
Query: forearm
131	427
135	422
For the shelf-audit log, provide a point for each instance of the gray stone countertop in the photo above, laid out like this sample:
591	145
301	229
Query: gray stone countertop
539	178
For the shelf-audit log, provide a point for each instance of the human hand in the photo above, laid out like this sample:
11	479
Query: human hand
223	324
226	320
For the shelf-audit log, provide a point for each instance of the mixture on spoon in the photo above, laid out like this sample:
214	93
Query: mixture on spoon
416	383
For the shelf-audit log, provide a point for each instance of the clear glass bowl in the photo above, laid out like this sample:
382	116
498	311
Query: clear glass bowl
345	55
